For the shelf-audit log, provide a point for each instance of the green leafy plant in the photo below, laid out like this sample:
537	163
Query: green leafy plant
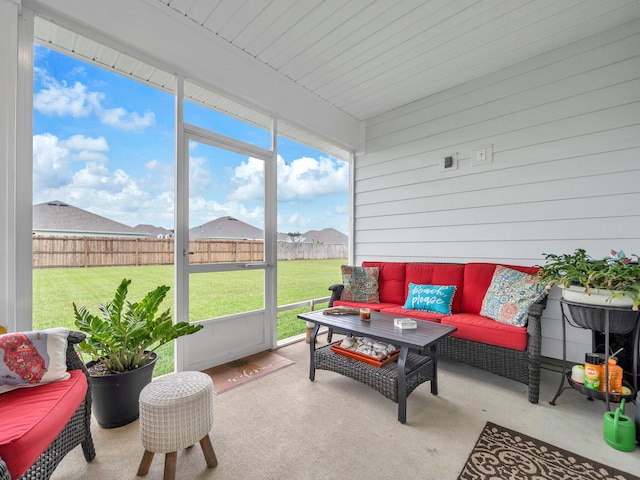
124	336
617	273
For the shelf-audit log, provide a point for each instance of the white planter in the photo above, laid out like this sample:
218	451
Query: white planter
594	297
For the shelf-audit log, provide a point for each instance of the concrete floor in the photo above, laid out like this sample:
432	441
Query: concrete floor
283	426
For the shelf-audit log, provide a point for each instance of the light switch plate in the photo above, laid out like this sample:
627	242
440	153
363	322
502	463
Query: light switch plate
482	155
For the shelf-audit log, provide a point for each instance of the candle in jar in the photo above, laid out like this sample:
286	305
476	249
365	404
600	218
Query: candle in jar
365	314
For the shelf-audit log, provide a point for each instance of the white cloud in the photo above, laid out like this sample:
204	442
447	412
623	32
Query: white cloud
120	118
310	178
94	187
50	162
80	142
248	181
59	99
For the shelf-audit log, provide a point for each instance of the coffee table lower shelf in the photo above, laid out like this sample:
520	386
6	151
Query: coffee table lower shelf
418	368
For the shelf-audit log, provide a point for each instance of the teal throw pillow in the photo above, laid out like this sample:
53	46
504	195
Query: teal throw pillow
430	298
510	295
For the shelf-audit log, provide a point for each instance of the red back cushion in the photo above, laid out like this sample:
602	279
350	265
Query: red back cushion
437	274
477	278
391	281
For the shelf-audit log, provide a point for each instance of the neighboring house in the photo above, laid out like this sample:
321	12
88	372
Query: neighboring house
327	235
59	218
154	232
227	227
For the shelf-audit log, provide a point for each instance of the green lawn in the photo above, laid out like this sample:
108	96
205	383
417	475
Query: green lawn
54	291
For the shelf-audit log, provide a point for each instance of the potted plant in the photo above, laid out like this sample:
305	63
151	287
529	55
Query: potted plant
122	342
614	280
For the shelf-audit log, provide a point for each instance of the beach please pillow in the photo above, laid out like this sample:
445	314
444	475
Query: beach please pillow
430	298
510	295
360	284
29	359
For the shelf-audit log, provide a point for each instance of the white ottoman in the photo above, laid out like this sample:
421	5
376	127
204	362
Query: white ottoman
176	411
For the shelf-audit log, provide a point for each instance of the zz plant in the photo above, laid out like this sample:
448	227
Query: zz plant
617	273
124	336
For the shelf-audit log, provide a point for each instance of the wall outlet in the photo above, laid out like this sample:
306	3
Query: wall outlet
449	162
482	155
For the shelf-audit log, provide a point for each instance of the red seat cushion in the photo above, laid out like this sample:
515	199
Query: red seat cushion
398	311
391	281
477	278
485	330
437	274
31	418
373	306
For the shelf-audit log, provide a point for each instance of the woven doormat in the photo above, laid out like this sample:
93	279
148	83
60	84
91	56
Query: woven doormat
239	372
506	454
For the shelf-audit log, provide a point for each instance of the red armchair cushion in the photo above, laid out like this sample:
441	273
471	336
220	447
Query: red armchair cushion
477	278
485	330
437	274
31	418
391	281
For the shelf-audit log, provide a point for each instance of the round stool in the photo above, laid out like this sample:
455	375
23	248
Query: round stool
176	411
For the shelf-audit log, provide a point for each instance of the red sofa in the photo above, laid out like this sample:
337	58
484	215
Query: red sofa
507	350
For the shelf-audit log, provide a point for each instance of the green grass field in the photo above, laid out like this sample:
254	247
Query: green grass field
218	294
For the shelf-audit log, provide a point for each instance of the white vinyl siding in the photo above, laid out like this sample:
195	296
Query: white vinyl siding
565	133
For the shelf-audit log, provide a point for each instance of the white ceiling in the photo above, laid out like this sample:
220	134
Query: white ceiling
369	56
364	57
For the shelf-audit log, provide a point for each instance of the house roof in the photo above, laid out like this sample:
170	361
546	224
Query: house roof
327	235
226	227
153	230
61	218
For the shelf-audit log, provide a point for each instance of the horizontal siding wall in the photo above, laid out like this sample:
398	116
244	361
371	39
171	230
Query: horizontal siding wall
565	133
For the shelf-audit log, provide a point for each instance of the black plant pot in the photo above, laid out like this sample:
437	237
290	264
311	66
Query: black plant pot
115	397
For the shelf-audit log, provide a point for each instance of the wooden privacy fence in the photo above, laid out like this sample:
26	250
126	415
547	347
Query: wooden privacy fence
75	251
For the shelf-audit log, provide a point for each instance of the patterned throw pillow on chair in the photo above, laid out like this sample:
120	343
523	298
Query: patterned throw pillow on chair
360	284
510	295
29	359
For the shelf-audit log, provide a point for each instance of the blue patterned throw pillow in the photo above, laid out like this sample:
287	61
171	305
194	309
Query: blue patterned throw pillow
430	298
510	295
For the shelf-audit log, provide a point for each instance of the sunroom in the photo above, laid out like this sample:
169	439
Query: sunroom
475	131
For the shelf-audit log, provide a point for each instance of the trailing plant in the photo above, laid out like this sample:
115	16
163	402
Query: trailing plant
124	336
616	273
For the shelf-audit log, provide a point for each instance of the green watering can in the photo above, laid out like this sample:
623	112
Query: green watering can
619	430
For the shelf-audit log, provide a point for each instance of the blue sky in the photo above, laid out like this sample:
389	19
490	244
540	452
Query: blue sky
105	143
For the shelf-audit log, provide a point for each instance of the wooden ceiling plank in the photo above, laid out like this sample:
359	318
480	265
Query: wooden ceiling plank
380	38
291	16
201	10
261	24
316	21
349	17
474	58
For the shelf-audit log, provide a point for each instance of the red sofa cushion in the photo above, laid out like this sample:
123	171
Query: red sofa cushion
477	278
391	281
376	307
485	330
419	314
31	418
437	274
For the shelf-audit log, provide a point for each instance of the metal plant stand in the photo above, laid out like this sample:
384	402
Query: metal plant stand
605	319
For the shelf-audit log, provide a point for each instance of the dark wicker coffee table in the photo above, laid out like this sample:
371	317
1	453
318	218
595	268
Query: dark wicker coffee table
416	364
